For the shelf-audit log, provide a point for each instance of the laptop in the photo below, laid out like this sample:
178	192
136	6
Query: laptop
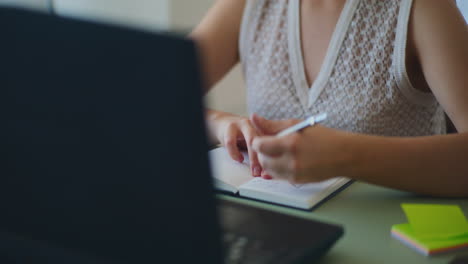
104	155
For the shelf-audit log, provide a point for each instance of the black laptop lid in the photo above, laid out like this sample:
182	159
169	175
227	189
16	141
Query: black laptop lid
103	150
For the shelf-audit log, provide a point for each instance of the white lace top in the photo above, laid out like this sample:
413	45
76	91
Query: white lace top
362	85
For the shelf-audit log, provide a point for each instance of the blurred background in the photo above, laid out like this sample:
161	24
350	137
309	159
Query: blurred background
158	15
154	15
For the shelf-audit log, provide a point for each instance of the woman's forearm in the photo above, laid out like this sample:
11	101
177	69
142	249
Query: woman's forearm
212	118
435	165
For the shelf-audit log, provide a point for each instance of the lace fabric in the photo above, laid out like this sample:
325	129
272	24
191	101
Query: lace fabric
363	84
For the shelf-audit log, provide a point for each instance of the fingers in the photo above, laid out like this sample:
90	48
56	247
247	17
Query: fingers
270	127
265	175
239	134
298	157
273	146
249	134
277	167
260	124
242	134
241	144
284	167
230	142
255	164
277	156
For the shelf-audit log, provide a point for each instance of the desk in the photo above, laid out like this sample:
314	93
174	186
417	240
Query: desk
367	213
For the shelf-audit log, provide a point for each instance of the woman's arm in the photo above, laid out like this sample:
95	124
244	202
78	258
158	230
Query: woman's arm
217	39
435	165
440	36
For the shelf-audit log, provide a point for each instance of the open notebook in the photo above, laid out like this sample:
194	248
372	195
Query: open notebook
234	177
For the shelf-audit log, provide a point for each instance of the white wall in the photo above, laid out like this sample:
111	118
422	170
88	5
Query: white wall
185	14
463	5
42	5
145	14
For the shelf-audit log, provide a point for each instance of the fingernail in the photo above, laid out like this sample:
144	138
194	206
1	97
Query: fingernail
267	177
257	171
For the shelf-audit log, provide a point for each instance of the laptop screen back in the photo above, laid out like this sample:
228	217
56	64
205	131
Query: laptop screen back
103	150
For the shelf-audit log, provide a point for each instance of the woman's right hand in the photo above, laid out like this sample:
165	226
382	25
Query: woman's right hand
236	134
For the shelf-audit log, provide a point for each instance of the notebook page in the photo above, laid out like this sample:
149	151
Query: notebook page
302	196
228	174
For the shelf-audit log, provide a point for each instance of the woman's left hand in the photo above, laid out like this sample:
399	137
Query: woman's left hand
315	154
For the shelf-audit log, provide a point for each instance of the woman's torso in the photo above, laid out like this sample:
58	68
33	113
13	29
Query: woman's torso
356	71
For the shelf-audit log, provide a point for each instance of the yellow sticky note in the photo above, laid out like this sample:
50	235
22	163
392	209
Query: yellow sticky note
436	220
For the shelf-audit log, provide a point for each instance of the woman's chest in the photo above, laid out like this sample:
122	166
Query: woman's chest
317	22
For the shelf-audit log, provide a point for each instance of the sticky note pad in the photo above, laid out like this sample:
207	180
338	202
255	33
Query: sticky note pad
435	220
433	228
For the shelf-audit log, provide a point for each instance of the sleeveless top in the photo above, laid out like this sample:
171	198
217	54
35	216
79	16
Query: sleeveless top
362	85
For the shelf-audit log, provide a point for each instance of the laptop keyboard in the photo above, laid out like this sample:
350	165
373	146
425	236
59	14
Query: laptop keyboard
243	250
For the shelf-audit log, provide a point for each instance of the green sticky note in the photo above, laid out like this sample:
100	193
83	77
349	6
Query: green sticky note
405	234
436	220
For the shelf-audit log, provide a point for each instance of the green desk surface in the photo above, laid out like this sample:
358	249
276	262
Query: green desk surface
367	213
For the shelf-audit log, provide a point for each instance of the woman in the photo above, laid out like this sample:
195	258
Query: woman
384	71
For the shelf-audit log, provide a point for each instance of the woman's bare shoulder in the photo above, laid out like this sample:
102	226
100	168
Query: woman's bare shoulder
436	13
440	36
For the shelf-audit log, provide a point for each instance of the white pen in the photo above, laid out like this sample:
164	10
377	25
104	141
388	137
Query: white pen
306	123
